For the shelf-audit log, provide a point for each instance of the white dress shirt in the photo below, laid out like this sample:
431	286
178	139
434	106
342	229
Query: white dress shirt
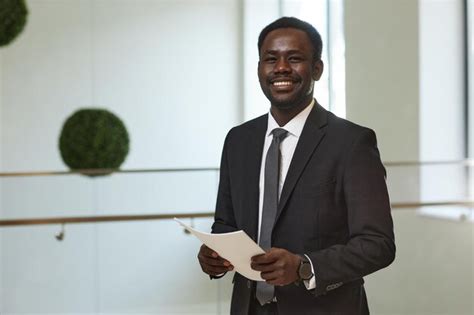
287	148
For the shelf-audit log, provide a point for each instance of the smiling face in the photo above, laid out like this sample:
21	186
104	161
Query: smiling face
287	69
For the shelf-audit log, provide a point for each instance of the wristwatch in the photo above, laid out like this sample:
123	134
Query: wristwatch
305	271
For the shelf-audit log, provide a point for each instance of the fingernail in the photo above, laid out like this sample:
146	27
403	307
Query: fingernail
226	263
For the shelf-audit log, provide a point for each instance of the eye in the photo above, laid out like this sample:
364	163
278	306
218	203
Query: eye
295	59
269	59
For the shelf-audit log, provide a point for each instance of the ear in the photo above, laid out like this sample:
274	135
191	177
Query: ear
318	69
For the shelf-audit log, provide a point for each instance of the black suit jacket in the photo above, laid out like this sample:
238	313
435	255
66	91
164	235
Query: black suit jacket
334	207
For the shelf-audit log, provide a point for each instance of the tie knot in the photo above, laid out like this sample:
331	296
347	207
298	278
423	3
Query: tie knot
279	133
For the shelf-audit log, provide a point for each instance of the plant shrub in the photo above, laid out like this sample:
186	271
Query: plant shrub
93	138
13	14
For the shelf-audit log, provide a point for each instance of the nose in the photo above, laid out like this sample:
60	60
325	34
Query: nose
282	66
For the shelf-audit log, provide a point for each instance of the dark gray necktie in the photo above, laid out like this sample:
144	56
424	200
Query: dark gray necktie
265	292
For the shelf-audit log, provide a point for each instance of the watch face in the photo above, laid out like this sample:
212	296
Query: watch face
305	270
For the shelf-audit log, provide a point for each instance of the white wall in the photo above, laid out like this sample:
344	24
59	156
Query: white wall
382	72
432	273
151	65
171	75
442	118
441	80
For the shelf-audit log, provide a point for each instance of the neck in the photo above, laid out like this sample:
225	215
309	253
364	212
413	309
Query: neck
283	115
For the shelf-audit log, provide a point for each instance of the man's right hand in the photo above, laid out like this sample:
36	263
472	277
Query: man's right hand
212	263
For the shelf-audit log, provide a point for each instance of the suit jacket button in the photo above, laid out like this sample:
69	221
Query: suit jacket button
249	284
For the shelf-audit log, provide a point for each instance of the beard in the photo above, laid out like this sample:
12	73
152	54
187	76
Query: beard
288	102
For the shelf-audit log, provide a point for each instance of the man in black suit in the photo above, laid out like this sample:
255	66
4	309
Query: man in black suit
332	223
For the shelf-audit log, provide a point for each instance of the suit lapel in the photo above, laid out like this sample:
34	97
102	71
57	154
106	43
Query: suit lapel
253	161
312	134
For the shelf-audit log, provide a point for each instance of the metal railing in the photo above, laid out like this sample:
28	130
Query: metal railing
144	217
117	218
106	171
465	162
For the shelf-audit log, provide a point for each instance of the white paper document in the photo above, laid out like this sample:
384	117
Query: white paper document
236	247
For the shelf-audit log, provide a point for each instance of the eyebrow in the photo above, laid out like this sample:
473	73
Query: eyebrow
273	52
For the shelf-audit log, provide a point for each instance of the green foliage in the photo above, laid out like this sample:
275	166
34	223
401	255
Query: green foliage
93	138
13	15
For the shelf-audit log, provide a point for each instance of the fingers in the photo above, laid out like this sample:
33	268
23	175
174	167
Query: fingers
215	270
262	267
214	267
206	251
269	257
211	263
269	268
277	266
275	254
275	277
216	262
208	254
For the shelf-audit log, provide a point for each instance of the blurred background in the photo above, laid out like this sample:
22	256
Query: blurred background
180	74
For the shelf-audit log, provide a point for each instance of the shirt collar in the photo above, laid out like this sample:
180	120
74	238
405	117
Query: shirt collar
295	125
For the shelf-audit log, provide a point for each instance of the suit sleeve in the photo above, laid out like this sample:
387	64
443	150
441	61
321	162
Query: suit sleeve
371	244
224	220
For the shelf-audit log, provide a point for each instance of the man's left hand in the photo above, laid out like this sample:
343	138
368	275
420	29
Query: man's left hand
277	266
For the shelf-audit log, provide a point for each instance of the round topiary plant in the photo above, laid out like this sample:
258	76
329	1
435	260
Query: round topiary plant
93	138
13	15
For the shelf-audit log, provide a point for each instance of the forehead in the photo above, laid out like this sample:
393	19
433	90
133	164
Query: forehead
283	39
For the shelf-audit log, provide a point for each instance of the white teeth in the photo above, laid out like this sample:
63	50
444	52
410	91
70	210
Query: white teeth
283	83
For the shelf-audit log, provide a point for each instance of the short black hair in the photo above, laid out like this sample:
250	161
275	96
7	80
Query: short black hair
292	22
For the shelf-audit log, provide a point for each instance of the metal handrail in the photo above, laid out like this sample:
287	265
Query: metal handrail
116	218
466	162
96	219
106	171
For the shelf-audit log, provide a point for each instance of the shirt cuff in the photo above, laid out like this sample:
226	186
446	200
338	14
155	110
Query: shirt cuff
311	283
217	276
